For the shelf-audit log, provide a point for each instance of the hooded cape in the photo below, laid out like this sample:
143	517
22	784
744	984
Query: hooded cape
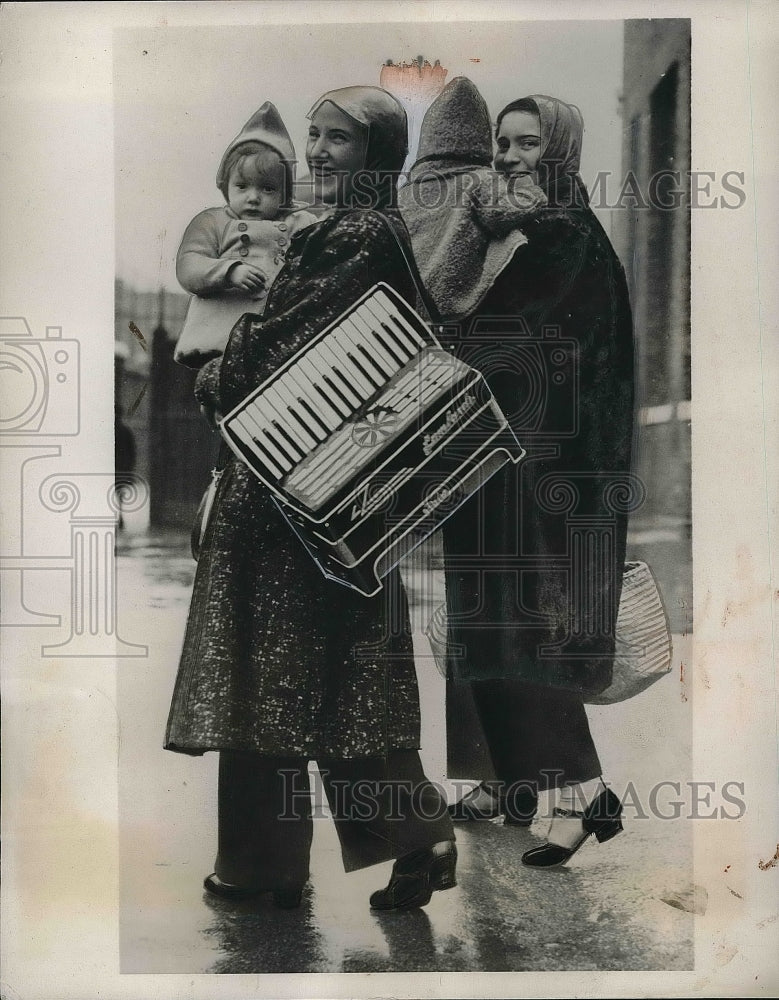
463	218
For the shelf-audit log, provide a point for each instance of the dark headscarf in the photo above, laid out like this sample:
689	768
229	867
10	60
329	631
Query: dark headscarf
562	128
384	118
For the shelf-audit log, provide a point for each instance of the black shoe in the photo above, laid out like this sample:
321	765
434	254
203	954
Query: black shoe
520	805
415	877
601	817
482	803
288	898
226	890
285	897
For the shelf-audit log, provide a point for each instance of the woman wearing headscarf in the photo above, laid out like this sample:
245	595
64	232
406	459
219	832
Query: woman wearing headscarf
281	666
534	560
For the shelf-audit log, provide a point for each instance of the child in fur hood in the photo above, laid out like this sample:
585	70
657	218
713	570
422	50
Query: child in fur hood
229	256
463	217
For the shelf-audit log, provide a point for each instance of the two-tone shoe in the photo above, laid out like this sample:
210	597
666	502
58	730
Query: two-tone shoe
602	818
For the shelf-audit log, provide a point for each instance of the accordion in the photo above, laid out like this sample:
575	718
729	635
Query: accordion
369	437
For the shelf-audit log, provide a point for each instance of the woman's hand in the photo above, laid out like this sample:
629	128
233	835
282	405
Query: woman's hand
212	415
247	277
207	390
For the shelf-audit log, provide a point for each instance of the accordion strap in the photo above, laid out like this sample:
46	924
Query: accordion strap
408	256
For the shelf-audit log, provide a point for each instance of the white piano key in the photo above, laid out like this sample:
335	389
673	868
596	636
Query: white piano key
298	383
363	353
279	396
274	415
382	301
371	372
342	368
372	342
361	384
266	441
398	333
249	436
298	418
338	399
327	352
327	380
325	409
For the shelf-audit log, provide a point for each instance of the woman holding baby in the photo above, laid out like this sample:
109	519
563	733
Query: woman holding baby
281	666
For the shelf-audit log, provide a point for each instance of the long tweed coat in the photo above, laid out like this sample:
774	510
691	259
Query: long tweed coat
534	561
276	658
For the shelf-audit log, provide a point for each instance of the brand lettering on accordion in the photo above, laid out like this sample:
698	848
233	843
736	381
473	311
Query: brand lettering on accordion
441	496
372	496
352	435
429	441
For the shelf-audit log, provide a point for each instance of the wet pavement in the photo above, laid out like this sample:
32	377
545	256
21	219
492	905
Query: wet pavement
623	905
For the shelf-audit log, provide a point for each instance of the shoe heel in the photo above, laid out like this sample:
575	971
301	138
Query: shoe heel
288	898
442	873
607	831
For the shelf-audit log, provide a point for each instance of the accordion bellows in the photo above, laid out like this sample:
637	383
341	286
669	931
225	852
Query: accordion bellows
369	437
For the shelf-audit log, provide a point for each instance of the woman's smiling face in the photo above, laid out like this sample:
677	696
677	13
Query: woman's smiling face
335	151
519	145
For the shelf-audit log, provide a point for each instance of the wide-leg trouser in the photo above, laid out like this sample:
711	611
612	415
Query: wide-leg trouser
536	735
383	807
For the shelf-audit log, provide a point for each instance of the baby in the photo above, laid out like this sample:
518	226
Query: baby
230	256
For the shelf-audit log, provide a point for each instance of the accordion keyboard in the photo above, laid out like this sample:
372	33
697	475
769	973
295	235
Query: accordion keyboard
332	380
369	437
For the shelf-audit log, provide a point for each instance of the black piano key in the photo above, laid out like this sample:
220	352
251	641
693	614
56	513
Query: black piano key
361	385
337	398
363	372
325	430
376	364
316	436
389	347
291	446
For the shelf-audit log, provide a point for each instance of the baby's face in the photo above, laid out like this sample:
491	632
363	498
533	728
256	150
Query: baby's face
255	197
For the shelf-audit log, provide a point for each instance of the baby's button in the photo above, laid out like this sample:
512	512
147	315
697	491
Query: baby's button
242	227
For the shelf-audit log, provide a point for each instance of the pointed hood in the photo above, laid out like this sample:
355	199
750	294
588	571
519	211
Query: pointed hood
265	126
457	126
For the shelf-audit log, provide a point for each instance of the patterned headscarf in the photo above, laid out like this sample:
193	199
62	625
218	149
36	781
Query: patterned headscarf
385	119
562	128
